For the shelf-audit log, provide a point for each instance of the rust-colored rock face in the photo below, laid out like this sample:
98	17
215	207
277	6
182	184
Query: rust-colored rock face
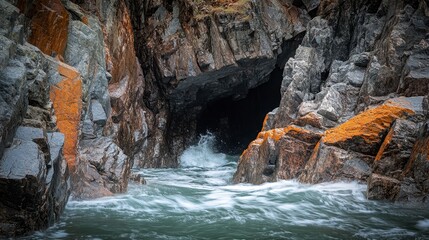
49	26
66	98
364	132
279	153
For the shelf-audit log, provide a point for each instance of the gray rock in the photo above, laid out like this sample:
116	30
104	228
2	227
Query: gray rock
416	75
407	28
88	131
300	75
396	149
103	169
98	116
361	60
85	52
30	134
13	101
331	106
307	107
269	120
7	48
9	19
319	36
56	144
355	78
22	159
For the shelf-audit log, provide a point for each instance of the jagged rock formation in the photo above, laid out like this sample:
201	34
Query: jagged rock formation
34	177
68	96
77	105
194	53
359	82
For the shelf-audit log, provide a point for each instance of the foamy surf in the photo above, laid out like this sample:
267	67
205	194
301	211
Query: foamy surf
198	201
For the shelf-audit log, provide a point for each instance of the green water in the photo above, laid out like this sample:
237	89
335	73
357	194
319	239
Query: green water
198	201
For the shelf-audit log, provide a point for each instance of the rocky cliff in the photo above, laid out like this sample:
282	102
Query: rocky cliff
354	103
91	88
71	104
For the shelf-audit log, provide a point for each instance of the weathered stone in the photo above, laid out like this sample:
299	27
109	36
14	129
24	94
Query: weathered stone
363	133
382	187
361	60
293	155
416	71
407	28
395	151
276	154
268	123
299	75
355	78
319	36
331	106
13	101
11	22
85	52
415	186
103	169
22	159
328	163
98	115
49	26
6	51
66	97
22	173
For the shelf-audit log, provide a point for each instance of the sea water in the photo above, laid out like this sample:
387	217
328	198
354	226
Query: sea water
199	201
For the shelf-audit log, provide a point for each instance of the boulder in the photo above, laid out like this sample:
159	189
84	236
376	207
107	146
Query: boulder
279	153
329	163
103	169
331	106
364	132
34	182
396	149
382	187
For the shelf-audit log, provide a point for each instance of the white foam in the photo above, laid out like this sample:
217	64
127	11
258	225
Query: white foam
423	224
202	155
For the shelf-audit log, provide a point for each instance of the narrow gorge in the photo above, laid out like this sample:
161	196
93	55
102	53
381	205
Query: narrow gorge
219	119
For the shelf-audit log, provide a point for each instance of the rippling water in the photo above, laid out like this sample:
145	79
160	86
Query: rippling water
198	201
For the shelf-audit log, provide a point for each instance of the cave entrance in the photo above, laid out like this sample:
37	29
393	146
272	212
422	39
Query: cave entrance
235	123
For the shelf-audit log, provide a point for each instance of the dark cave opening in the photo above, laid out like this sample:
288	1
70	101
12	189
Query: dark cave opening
235	123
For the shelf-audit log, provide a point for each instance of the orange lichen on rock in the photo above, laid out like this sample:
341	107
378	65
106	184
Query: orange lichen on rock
264	124
369	125
66	98
277	133
49	26
386	142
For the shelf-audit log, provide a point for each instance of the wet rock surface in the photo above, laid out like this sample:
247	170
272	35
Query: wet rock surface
353	86
95	88
197	54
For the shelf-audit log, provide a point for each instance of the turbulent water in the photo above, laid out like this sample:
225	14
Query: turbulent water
198	201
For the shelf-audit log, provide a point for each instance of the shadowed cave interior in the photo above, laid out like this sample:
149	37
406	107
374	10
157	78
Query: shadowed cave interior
235	123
